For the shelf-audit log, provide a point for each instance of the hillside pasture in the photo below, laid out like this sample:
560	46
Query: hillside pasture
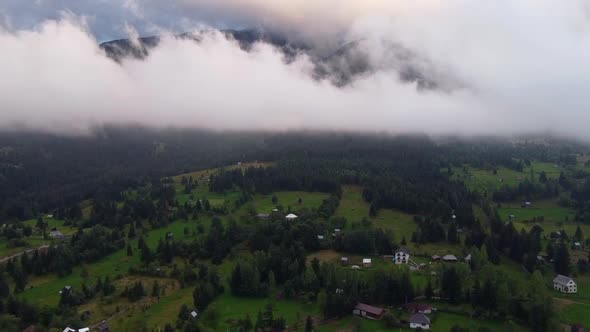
354	208
490	179
211	171
289	200
45	289
550	210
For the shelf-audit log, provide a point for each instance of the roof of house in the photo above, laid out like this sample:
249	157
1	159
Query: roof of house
404	250
69	329
194	313
344	258
418	306
31	328
370	309
435	257
103	327
366	260
263	215
320	237
468	257
562	280
291	216
449	258
55	233
419	318
84	329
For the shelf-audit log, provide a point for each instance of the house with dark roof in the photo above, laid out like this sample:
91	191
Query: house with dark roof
419	321
262	216
103	327
578	328
565	284
31	328
415	307
449	258
56	235
367	311
435	258
401	256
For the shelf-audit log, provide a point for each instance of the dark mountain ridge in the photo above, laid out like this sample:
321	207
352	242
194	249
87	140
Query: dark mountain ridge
342	66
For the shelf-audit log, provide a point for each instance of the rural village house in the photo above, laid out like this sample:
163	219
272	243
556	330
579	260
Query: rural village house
401	256
449	258
419	308
565	284
419	320
367	311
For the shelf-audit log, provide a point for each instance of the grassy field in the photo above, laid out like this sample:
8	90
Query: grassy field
444	321
554	217
572	313
202	192
289	200
208	172
35	240
354	208
550	210
45	289
486	180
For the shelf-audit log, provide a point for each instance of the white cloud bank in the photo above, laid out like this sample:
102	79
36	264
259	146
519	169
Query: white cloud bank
522	66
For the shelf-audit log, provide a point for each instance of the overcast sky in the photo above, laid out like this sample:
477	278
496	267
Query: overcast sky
515	66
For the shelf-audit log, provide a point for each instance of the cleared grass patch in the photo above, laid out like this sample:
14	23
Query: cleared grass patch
488	180
45	289
354	208
289	200
549	209
208	172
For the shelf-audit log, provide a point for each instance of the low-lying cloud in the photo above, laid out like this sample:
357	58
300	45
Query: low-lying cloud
501	67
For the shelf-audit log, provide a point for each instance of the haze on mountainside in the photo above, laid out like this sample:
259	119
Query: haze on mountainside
503	67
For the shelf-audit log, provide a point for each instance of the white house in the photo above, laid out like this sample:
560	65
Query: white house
401	256
291	216
367	262
419	320
565	284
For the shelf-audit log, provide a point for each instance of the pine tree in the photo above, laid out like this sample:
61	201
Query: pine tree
562	259
429	291
309	324
259	326
579	235
183	313
131	234
140	242
247	325
156	289
129	250
543	177
108	287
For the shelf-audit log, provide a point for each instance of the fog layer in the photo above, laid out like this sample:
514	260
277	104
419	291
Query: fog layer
502	67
